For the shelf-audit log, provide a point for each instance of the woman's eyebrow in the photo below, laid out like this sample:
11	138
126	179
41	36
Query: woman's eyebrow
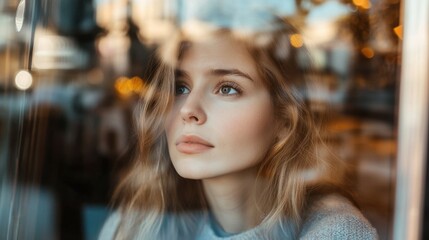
180	73
234	71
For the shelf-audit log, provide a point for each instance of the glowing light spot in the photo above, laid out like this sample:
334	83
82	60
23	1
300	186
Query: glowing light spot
127	86
137	84
367	52
398	31
23	80
121	86
296	40
365	4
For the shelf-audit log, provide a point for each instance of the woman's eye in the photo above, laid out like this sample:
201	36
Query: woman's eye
180	90
227	90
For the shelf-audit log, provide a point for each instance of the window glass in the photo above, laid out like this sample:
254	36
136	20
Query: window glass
73	73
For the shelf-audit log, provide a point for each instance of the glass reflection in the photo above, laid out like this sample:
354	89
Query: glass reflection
65	135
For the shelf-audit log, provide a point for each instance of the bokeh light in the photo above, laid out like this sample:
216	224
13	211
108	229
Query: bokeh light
127	86
367	52
398	31
296	40
365	4
23	80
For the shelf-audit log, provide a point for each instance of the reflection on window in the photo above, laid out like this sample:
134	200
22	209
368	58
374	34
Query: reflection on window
70	81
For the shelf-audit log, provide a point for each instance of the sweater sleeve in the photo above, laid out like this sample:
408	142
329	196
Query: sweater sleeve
110	226
335	217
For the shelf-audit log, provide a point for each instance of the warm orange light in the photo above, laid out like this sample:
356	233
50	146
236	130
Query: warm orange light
127	86
137	84
367	52
120	86
398	31
365	4
296	40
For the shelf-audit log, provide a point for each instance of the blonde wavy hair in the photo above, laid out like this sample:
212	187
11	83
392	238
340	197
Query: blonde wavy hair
156	203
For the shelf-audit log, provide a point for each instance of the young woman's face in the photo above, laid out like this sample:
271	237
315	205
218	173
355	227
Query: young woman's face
222	121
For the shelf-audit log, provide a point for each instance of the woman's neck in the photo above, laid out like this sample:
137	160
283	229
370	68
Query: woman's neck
233	200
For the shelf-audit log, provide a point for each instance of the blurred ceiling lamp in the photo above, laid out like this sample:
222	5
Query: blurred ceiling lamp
365	4
398	31
367	52
23	80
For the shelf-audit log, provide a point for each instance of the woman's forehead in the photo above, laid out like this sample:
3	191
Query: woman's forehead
173	49
218	52
219	45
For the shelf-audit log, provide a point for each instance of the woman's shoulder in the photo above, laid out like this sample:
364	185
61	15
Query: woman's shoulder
119	219
335	217
110	226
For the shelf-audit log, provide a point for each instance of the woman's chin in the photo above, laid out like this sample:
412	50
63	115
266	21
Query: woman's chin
190	171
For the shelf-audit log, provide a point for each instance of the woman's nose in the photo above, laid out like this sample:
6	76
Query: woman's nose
192	110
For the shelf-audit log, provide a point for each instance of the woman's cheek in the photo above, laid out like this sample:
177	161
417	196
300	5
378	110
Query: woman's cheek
247	126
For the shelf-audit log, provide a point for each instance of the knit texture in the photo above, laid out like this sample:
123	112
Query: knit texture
334	217
331	218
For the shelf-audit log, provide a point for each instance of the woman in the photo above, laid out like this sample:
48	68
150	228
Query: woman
228	149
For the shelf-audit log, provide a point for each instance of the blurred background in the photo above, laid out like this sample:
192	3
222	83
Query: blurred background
71	72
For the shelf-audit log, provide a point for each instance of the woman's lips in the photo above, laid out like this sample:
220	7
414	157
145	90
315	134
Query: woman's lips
191	144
